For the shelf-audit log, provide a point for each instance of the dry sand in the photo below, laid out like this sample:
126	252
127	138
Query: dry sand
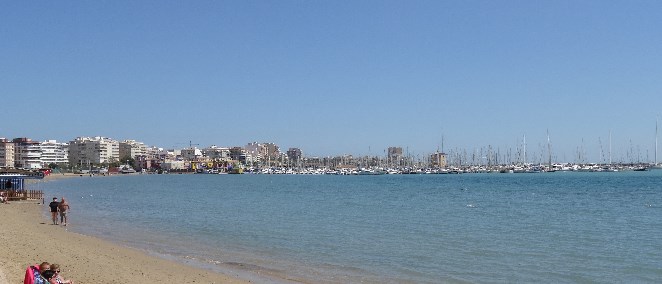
27	238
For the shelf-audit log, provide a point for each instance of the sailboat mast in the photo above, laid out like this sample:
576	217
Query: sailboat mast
524	148
549	150
656	119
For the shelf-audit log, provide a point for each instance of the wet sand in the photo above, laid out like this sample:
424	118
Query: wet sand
27	238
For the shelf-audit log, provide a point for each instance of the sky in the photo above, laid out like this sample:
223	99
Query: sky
338	77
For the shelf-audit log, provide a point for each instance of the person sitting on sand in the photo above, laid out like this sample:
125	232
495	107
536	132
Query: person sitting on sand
48	276
58	277
63	208
54	207
33	273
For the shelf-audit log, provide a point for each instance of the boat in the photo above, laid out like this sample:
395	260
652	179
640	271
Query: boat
126	169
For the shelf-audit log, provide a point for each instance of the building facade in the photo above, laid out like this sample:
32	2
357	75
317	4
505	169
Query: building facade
191	154
132	149
238	154
272	151
93	150
214	152
394	155
54	153
294	155
6	153
27	153
438	159
262	153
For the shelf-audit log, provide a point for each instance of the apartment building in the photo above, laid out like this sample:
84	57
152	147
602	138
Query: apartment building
238	154
438	159
191	154
132	149
294	154
255	152
27	153
93	150
6	153
272	151
217	153
53	152
394	155
262	152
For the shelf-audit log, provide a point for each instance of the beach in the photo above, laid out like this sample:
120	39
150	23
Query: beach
27	238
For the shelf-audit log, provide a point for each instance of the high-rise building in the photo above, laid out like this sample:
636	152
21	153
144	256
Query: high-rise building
262	152
294	154
394	155
54	153
438	159
132	149
93	150
238	154
272	151
6	153
255	152
27	153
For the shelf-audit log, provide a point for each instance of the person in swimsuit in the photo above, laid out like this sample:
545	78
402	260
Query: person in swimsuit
58	277
63	208
49	277
54	207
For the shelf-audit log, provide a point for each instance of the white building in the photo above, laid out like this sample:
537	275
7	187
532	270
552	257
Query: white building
54	153
217	153
262	152
255	152
93	150
132	149
27	153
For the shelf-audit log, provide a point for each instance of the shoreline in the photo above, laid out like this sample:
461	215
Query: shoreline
26	238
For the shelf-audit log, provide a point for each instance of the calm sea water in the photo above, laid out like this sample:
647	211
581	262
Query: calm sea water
548	227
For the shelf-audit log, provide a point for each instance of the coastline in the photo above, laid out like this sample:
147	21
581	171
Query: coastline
26	238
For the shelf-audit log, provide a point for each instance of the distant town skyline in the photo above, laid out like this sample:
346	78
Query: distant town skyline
334	78
519	153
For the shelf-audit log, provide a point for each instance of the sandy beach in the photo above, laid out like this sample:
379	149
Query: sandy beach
26	238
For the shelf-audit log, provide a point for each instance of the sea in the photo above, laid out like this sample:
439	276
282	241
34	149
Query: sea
561	227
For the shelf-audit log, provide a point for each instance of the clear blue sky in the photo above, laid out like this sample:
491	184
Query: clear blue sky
336	77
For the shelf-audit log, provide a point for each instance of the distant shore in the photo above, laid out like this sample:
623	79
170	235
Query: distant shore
27	238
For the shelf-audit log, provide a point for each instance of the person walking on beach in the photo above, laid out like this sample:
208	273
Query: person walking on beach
54	207
63	208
